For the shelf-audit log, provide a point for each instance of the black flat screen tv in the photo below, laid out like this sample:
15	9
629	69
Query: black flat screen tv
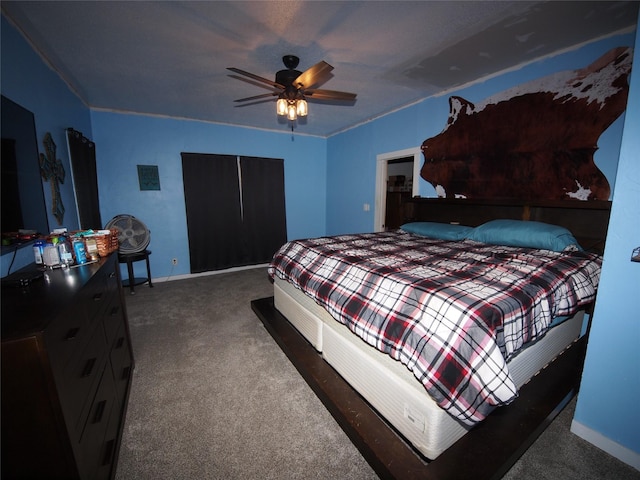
23	204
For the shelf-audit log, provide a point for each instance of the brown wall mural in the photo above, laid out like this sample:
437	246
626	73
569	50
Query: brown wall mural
533	141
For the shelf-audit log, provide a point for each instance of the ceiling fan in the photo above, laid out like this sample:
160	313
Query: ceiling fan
292	87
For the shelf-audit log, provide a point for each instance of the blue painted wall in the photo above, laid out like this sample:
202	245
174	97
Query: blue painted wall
329	180
610	387
124	141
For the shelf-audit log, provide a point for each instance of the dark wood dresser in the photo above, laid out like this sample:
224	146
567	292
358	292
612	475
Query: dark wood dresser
67	365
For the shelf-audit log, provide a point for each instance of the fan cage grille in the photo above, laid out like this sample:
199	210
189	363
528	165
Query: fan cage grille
133	234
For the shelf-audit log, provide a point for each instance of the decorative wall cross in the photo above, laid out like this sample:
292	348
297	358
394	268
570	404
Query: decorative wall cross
52	171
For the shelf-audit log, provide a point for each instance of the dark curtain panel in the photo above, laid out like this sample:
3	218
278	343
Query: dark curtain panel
85	179
235	209
212	200
265	227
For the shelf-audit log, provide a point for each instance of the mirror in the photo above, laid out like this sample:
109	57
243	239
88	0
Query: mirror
23	204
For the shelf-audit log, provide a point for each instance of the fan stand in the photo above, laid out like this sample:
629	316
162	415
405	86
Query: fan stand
129	259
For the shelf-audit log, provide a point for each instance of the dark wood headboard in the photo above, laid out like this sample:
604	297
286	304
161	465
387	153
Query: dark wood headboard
587	220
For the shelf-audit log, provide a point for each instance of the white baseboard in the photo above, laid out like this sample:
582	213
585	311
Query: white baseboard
614	449
205	274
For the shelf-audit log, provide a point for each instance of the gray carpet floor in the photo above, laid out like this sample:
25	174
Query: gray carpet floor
214	397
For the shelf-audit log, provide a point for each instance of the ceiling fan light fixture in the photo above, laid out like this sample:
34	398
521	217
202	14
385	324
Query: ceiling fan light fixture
292	108
290	86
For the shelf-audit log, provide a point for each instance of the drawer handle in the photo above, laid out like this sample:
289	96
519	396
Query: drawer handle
108	452
97	297
99	411
88	367
72	333
119	342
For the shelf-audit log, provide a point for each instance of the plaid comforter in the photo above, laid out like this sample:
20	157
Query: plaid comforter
452	312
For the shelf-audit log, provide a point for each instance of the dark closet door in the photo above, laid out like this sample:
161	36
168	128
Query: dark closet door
212	199
263	208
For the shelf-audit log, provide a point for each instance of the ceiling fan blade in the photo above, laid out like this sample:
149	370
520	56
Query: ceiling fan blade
313	75
256	102
256	97
257	84
256	77
318	94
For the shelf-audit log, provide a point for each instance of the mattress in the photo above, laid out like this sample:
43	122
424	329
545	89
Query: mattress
388	385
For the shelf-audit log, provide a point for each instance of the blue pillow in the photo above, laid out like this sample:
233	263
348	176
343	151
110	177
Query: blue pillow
519	233
441	231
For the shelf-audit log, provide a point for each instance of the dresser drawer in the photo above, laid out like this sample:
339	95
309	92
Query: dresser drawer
104	409
67	336
121	363
109	450
101	292
111	276
113	319
80	379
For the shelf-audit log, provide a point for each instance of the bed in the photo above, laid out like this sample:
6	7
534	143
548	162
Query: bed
402	390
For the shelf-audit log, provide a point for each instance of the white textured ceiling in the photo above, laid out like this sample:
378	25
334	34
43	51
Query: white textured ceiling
170	58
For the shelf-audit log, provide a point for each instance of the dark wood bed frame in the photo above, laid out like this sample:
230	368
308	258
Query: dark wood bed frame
492	447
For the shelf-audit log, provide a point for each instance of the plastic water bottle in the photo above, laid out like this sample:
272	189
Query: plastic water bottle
66	252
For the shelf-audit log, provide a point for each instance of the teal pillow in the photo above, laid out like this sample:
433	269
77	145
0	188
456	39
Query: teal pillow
519	233
441	231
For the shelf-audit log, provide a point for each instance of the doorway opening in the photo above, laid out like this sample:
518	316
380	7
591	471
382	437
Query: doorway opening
397	175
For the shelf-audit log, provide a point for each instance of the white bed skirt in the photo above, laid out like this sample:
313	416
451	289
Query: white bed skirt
388	385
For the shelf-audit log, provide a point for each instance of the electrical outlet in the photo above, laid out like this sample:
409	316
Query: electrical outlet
174	261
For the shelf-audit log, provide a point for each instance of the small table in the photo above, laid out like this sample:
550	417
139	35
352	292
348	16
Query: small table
129	258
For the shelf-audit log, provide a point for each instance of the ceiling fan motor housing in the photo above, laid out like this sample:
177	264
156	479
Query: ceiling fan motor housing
286	77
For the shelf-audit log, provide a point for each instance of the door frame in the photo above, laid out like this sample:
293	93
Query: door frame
382	163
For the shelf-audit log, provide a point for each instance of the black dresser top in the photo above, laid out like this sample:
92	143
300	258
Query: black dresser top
29	305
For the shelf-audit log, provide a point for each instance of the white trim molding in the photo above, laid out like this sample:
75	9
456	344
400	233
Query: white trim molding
614	449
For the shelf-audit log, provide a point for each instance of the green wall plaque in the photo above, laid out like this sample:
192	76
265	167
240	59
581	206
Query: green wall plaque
148	177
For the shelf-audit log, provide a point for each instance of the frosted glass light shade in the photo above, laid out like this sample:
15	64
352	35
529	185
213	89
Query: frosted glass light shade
301	108
291	112
281	106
